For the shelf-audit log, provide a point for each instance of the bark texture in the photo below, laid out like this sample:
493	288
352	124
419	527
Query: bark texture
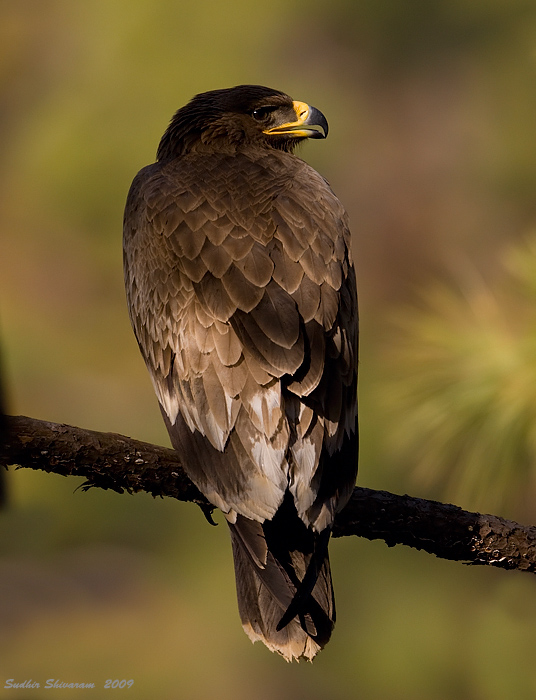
112	461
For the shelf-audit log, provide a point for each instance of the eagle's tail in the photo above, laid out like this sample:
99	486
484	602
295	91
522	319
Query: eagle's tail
283	583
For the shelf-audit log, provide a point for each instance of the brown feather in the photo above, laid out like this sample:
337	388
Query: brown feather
203	318
257	267
277	317
241	291
227	345
218	231
304	385
259	374
270	357
333	274
238	248
328	307
287	273
313	266
216	258
233	378
216	398
185	242
195	269
287	236
212	294
307	299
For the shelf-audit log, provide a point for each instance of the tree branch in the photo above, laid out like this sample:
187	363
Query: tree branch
111	461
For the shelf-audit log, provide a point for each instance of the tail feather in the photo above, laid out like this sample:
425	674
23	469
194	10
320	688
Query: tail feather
284	589
306	585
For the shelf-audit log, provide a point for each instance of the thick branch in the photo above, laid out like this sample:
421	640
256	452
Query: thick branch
105	460
111	461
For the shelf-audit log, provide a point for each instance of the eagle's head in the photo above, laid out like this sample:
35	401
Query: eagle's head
246	115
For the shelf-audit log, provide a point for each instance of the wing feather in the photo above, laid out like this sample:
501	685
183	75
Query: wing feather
233	379
242	297
285	233
307	299
213	296
227	345
241	291
216	259
257	267
277	317
287	273
238	247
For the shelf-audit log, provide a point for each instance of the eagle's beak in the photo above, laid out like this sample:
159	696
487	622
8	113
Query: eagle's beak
310	123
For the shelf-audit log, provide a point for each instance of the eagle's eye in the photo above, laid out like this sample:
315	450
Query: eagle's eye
262	113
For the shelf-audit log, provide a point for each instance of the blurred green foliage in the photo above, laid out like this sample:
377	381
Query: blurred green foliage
431	108
460	386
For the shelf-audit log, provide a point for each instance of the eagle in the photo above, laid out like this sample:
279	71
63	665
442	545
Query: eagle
242	295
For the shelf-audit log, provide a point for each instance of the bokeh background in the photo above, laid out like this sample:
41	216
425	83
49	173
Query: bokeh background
432	149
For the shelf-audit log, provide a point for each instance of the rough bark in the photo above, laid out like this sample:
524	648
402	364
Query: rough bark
111	461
